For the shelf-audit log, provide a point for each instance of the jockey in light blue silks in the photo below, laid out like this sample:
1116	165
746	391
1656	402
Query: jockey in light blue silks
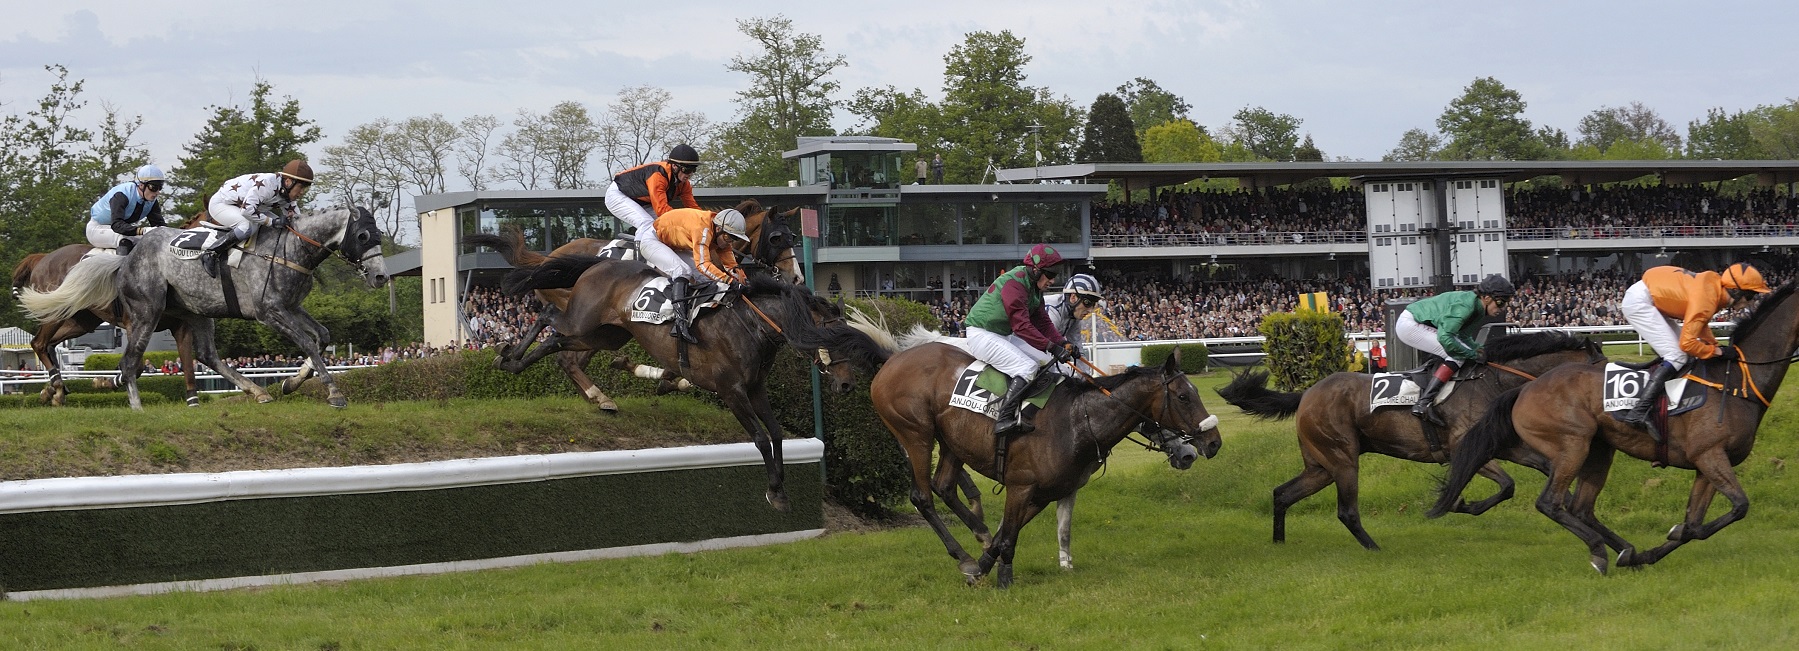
254	200
124	208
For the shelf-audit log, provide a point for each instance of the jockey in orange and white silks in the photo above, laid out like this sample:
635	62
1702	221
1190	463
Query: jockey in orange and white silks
253	200
705	237
1672	308
642	194
124	209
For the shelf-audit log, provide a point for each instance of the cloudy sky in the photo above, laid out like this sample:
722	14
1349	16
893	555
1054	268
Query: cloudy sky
1359	74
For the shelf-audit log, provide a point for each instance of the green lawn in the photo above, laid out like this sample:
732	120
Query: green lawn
1165	559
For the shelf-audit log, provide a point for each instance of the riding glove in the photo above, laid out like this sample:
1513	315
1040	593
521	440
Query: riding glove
1728	352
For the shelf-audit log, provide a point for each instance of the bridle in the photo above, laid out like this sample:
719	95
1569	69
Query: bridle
1168	395
313	260
821	358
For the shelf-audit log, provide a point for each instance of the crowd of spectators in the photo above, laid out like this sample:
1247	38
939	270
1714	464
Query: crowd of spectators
1258	212
1597	212
495	319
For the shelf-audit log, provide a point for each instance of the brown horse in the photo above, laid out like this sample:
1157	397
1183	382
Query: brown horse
771	245
738	341
1336	425
1562	417
44	272
1073	436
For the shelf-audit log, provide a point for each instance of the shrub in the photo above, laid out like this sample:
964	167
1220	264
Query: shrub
1193	356
110	399
110	361
1303	347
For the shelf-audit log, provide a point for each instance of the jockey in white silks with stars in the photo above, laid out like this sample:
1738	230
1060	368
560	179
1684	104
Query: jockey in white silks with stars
253	200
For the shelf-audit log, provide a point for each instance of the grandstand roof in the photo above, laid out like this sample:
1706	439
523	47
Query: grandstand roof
1147	175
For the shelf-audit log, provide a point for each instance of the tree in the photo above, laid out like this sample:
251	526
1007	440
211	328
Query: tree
1416	145
642	126
1266	134
549	150
988	112
1151	106
1609	125
1487	123
1179	141
1775	130
472	149
1110	136
790	95
237	141
366	165
1721	135
1306	151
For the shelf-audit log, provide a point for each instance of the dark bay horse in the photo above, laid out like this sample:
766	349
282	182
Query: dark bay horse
44	272
738	341
771	246
274	276
1073	436
1561	417
1336	425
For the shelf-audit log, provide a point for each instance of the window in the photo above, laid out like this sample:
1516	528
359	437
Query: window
1489	184
1408	227
1465	237
1385	282
987	223
927	223
1411	280
1058	223
1466	225
1408	240
1491	237
859	226
1383	228
1464	185
1490	223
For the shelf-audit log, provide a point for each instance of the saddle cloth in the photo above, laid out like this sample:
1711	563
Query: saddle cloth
979	388
651	305
1623	388
193	242
1401	390
620	249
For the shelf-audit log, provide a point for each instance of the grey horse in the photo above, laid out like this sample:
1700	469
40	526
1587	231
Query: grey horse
267	285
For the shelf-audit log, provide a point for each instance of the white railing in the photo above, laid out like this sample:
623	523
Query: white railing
1289	238
10	378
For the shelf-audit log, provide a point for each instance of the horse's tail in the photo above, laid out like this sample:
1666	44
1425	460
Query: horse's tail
510	245
917	337
874	327
1249	393
1492	433
89	285
553	273
21	275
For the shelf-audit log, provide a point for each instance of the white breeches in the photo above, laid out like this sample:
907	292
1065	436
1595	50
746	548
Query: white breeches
1418	336
628	209
1008	353
1661	332
654	252
243	225
101	236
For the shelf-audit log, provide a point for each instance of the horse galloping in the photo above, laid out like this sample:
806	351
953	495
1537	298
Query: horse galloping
771	246
275	275
43	272
1336	425
1561	416
738	341
1074	434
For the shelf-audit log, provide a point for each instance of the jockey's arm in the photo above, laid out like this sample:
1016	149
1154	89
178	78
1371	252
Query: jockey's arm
657	184
720	265
1030	325
1696	331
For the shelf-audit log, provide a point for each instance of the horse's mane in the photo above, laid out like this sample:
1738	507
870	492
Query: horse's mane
21	275
1748	324
1506	348
1110	382
800	331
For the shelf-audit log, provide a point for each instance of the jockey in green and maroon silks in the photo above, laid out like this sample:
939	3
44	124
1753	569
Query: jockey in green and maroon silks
1008	329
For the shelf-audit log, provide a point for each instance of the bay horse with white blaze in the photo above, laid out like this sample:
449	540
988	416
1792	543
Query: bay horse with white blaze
275	275
1336	425
1561	416
1074	434
738	340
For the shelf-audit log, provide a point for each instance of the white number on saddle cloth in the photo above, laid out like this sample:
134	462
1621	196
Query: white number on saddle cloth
189	244
968	395
1392	390
1623	388
651	304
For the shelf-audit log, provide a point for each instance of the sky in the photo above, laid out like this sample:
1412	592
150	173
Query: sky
1358	74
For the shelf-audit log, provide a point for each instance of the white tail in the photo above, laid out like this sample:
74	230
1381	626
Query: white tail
920	335
89	285
875	329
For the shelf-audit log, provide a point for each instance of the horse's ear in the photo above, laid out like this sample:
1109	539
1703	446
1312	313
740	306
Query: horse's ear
1172	365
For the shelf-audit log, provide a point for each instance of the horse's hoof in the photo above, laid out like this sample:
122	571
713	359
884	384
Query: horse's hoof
777	500
193	401
971	571
1598	562
263	398
1004	580
609	406
338	402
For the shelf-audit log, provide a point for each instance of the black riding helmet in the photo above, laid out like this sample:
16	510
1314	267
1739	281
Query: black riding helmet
1496	286
684	155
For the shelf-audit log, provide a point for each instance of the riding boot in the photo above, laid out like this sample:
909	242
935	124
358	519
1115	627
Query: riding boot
1652	390
1438	377
678	295
125	244
211	258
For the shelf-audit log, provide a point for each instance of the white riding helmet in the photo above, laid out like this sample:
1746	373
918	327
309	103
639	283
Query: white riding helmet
149	173
731	221
1082	284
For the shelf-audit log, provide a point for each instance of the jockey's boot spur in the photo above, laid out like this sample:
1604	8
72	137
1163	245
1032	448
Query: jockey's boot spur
1652	391
678	296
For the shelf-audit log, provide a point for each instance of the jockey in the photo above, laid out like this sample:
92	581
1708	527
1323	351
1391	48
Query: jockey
1672	308
254	200
1078	300
641	194
1444	325
1009	329
119	212
701	235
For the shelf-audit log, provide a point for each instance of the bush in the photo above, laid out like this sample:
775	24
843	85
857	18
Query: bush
110	361
1303	347
112	399
1193	356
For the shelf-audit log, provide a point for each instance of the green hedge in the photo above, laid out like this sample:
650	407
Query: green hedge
110	361
112	399
1303	347
1193	356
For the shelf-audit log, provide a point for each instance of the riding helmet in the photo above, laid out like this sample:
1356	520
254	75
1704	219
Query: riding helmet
297	170
1745	277
684	155
149	173
1082	284
731	221
1042	256
1496	285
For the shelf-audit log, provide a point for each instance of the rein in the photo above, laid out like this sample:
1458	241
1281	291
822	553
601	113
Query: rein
820	358
1527	377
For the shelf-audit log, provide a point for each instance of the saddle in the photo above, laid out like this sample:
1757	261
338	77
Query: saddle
620	249
980	386
651	304
193	242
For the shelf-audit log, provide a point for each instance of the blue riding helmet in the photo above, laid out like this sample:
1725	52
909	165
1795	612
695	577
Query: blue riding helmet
149	173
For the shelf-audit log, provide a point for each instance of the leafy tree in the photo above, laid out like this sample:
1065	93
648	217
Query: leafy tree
1150	105
1721	135
789	96
642	125
1634	122
987	112
1110	136
1416	145
1775	130
1306	151
1487	123
472	149
551	150
1179	141
1266	134
237	141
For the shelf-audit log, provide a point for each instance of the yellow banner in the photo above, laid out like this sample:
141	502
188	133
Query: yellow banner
1314	302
